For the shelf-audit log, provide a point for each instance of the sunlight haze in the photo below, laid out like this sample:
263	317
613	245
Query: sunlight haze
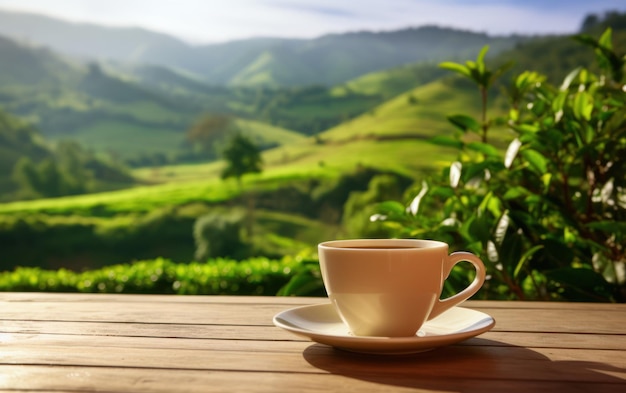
198	21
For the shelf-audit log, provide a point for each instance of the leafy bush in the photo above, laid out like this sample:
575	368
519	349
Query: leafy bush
360	204
549	215
254	276
218	233
88	242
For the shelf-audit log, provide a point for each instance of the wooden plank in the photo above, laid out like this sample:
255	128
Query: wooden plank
152	298
154	343
280	301
507	320
256	339
133	312
183	331
101	333
550	340
121	343
72	379
453	361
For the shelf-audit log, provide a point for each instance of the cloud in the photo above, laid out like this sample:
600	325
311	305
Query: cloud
315	8
213	21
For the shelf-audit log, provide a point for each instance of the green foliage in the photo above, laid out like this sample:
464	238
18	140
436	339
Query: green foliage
30	168
218	234
51	179
209	131
242	156
548	215
305	281
360	205
484	78
254	276
86	242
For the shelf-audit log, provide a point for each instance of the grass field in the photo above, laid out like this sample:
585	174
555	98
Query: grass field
393	136
128	140
420	112
265	133
390	83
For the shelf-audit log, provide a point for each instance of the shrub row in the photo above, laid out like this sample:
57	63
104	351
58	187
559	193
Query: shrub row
254	276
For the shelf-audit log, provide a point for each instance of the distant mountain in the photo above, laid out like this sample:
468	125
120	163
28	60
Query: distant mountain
23	65
88	40
137	113
327	60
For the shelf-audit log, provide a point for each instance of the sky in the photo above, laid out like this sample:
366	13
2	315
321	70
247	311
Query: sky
210	21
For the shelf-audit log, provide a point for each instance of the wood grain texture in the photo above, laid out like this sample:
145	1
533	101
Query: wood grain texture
154	343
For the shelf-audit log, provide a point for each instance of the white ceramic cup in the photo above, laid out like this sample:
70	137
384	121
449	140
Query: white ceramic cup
390	287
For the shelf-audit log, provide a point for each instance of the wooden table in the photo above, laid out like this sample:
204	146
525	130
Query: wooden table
153	343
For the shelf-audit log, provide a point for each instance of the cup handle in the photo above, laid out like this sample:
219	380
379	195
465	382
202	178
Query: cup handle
454	258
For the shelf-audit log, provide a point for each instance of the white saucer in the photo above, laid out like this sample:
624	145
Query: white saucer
322	324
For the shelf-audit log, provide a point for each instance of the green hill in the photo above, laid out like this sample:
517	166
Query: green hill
389	83
17	139
109	111
47	170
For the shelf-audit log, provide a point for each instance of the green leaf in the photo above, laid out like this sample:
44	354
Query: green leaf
536	160
456	67
557	105
515	192
464	123
526	128
484	148
609	226
480	228
607	58
480	60
586	39
583	105
484	203
446	140
568	80
302	284
581	284
528	79
606	40
392	209
524	259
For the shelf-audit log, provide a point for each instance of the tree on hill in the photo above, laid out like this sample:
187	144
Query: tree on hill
242	156
209	132
613	19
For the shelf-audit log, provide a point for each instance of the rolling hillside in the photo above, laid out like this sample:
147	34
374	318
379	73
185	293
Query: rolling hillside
392	136
137	110
109	111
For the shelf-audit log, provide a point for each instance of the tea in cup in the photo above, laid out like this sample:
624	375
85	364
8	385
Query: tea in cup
391	287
